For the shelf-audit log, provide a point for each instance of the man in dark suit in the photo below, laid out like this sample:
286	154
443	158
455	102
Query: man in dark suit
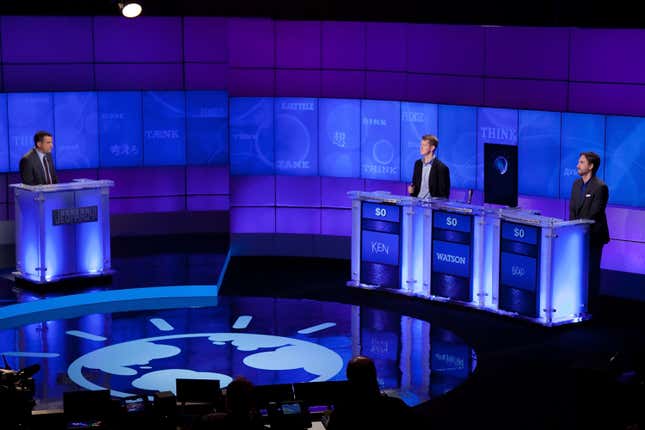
431	177
589	197
37	165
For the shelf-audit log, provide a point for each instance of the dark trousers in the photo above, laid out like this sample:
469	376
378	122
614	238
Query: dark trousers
595	255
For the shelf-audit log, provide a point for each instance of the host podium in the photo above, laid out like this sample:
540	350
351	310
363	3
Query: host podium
508	261
62	230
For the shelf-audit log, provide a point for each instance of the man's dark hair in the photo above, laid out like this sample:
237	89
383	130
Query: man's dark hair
240	396
361	374
432	139
592	158
40	135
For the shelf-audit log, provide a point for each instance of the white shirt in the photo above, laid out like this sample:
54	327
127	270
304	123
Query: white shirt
424	190
41	155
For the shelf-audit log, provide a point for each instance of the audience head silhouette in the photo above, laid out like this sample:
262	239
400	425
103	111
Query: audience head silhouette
239	396
361	374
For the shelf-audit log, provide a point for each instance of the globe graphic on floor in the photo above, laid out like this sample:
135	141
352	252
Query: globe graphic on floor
140	360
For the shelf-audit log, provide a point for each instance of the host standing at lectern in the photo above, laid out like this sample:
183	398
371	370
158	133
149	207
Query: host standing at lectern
431	178
37	165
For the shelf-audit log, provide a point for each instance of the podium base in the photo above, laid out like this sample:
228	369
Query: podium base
64	282
572	319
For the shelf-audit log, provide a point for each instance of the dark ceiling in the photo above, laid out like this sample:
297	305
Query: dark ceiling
571	13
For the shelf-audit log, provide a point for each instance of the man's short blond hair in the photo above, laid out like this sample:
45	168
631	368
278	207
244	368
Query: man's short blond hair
432	139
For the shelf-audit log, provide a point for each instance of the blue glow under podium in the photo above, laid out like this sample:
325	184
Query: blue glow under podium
62	230
507	261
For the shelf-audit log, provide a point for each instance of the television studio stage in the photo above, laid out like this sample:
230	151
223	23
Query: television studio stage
232	199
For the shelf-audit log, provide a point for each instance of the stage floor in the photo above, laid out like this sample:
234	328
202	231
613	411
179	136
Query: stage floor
270	341
169	313
162	318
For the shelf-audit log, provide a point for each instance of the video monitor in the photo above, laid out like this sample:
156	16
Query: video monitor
85	408
265	394
320	393
500	174
198	390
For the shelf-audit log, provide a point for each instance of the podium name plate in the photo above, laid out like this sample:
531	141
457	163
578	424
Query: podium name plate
75	215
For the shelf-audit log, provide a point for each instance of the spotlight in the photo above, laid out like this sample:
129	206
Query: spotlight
130	8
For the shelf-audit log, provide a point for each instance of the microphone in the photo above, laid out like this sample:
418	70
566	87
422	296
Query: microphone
470	195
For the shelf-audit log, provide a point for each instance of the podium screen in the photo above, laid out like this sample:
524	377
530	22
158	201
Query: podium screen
519	264
380	244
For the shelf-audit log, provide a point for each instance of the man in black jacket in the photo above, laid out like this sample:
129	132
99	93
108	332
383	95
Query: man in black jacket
589	197
431	177
37	165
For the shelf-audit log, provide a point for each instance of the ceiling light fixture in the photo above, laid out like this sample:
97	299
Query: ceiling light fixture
130	9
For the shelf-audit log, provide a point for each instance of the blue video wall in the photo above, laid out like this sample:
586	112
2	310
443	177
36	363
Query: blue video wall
539	153
339	138
296	128
207	127
4	136
417	120
26	114
375	139
579	131
252	136
76	126
350	138
121	129
381	140
164	128
625	159
117	129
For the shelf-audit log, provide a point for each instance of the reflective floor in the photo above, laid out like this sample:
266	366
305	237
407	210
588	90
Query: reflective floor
102	339
162	317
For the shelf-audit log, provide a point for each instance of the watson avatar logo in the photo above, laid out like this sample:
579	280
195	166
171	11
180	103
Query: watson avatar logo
501	165
142	361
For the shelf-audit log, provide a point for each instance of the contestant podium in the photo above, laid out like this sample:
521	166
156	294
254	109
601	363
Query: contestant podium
511	262
62	230
543	266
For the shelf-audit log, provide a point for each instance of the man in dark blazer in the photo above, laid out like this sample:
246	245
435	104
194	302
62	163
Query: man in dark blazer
37	165
431	177
589	197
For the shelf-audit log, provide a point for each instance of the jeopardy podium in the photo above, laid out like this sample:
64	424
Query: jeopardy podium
62	230
428	248
543	267
507	261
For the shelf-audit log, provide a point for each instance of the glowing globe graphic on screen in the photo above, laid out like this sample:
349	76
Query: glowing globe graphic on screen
295	139
141	360
383	152
501	165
